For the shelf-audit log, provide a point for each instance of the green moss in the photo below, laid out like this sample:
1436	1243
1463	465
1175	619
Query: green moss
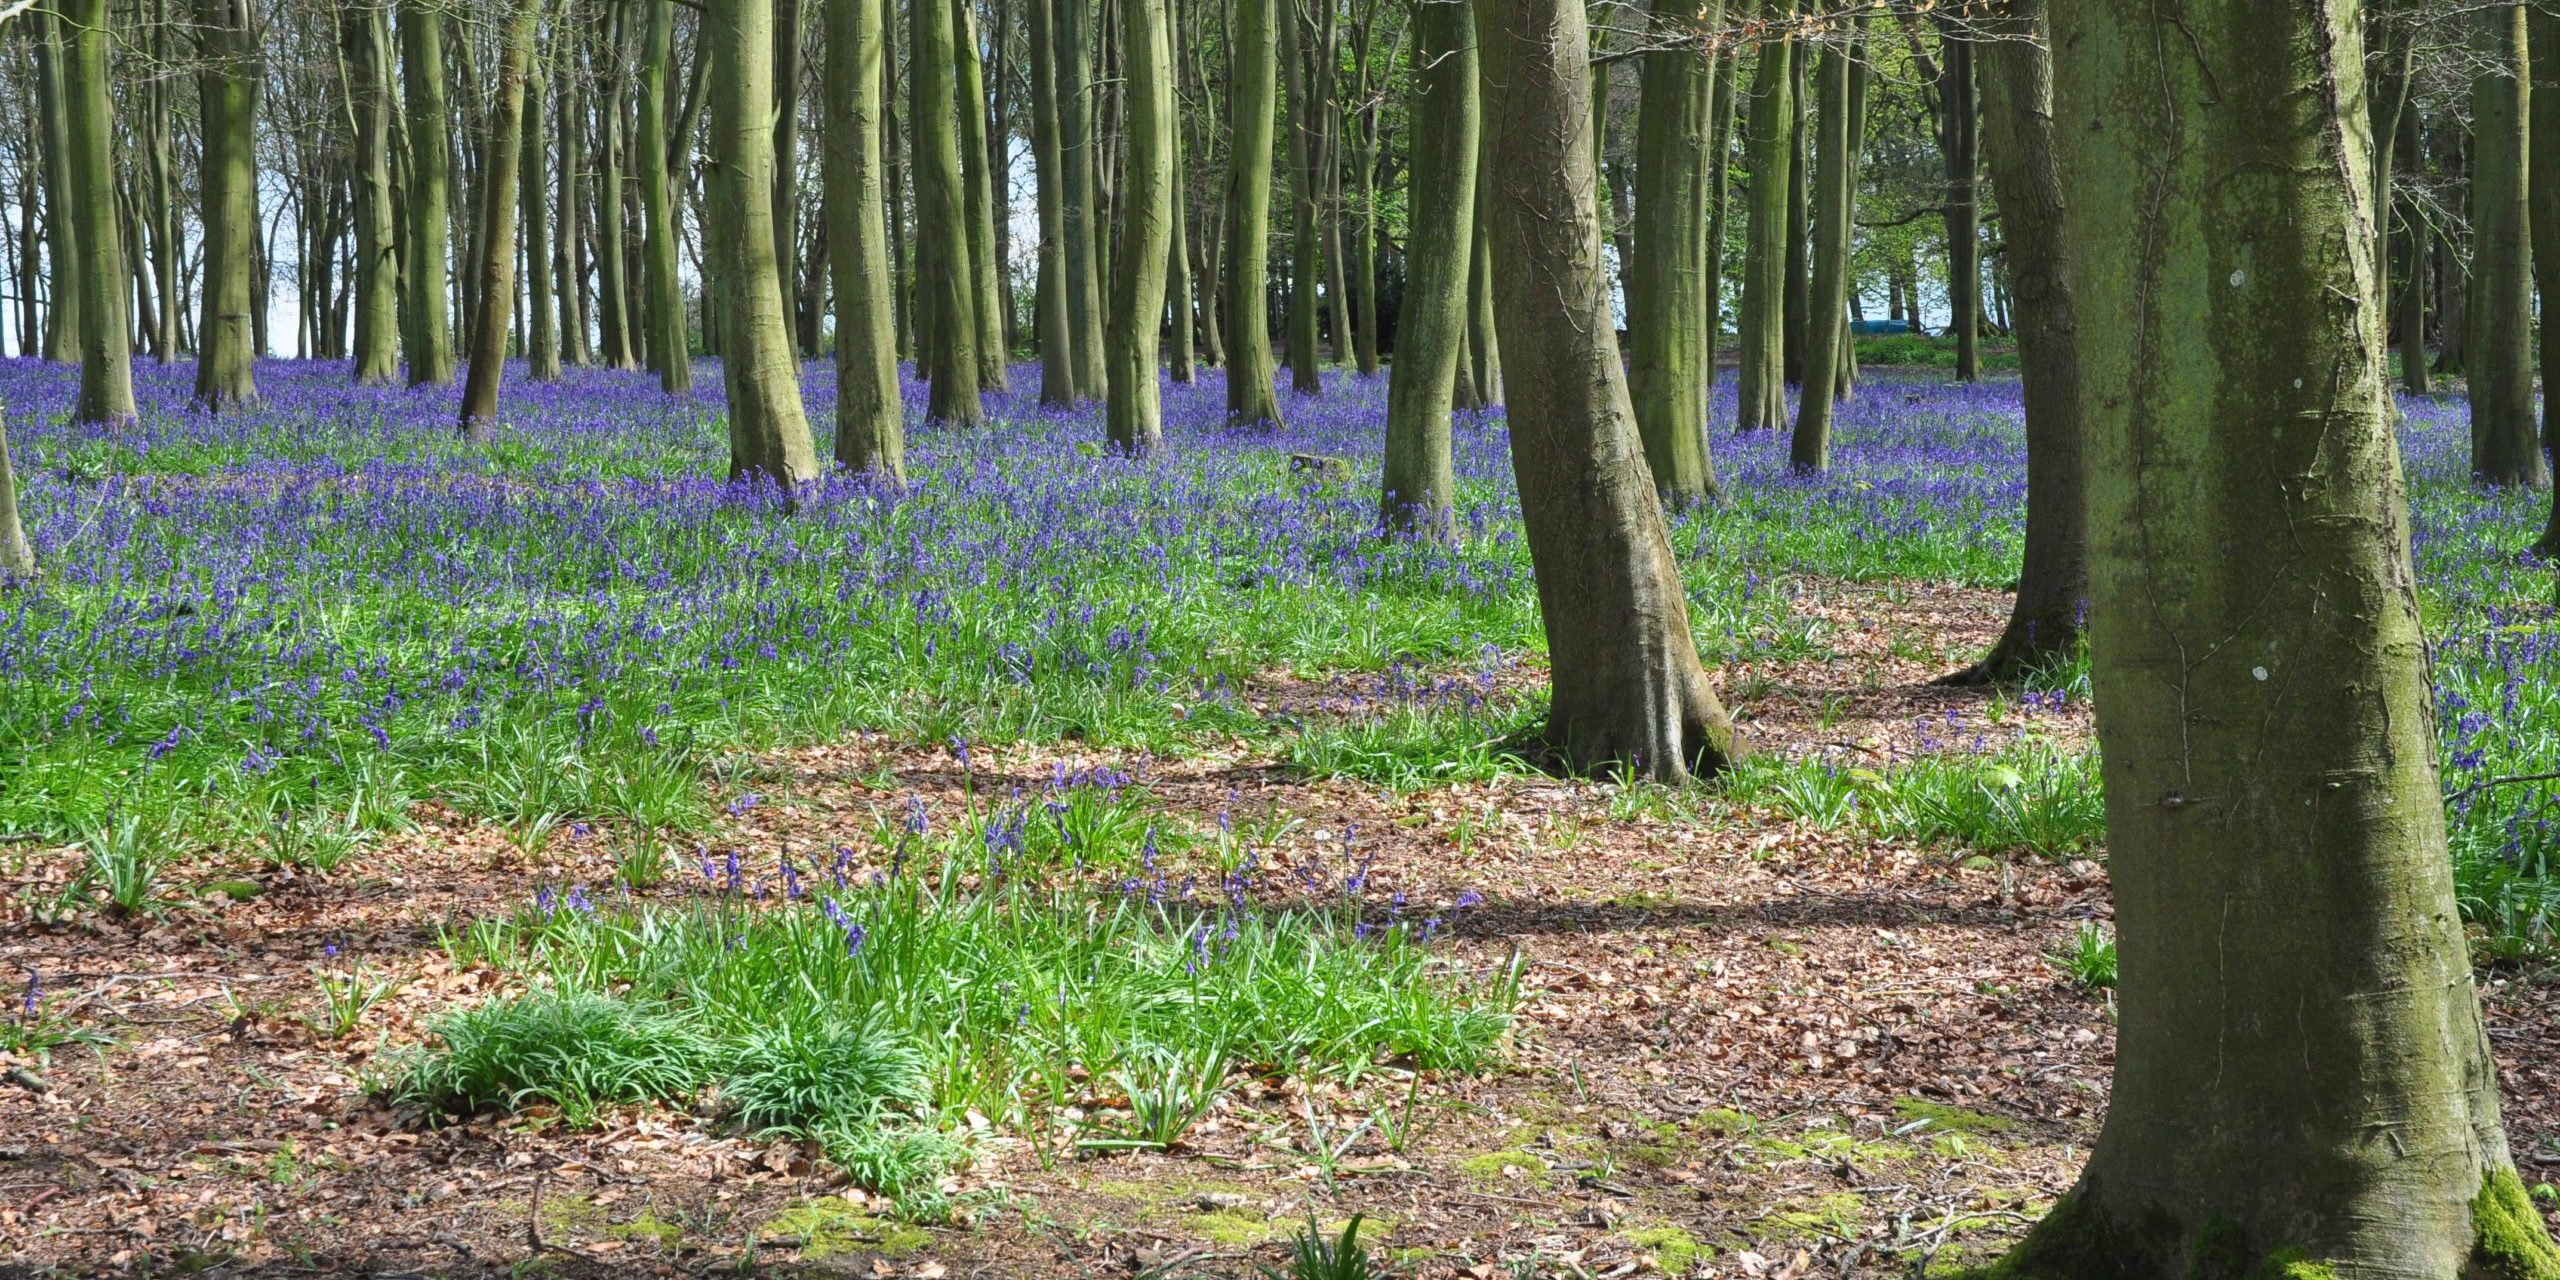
1495	1166
236	890
1676	1251
648	1226
1664	1144
1834	1215
2508	1239
1946	1119
2289	1264
1233	1229
831	1228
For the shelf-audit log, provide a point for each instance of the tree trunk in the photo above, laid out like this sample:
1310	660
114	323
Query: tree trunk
568	266
1720	115
943	264
542	348
613	281
1799	207
768	432
17	559
1177	281
1363	264
2544	166
428	200
1628	687
1959	133
1668	373
363	36
497	234
1483	375
2302	1085
1052	319
1251	398
786	165
2016	71
1134	413
1081	158
1768	155
106	352
2499	329
62	224
1306	372
986	298
227	85
2415	369
1826	328
1418	491
667	350
870	418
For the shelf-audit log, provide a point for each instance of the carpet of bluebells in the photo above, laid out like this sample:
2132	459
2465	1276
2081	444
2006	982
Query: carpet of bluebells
329	604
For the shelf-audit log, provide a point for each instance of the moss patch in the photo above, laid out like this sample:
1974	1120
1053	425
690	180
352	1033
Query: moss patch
1834	1215
1946	1119
2508	1239
1664	1144
1676	1251
831	1228
1496	1167
1236	1230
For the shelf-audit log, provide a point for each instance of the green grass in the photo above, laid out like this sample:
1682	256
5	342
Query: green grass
2033	797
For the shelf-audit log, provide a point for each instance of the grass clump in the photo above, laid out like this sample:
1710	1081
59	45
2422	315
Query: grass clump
806	1073
2032	797
577	1049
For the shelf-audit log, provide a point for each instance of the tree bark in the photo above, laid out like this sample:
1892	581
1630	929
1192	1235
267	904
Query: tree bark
567	260
17	559
2016	70
533	190
106	353
986	297
1628	686
428	200
1180	363
2302	1083
1251	398
497	234
1834	185
2543	36
62	224
1483	371
1052	319
870	418
1959	134
1081	159
362	34
2415	368
613	276
768	432
1134	413
1306	370
1417	492
1761	342
667	350
1669	370
2498	336
943	265
1720	114
227	86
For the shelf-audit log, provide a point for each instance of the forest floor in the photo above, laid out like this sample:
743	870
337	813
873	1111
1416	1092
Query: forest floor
1823	1021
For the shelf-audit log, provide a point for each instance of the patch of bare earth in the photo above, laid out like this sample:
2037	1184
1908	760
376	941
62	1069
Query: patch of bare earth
1747	1048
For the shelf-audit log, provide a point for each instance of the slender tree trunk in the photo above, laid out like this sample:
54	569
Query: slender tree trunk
1799	210
2313	1092
1959	132
1306	370
943	267
1719	202
667	350
1668	370
229	43
786	167
1363	128
568	267
1418	491
768	431
893	141
613	308
497	234
363	35
1134	412
1768	156
2016	71
430	193
978	187
1177	285
106	360
1826	338
62	223
2415	368
1251	398
1068	22
870	419
2499	329
1483	376
17	559
1628	687
1052	319
2544	166
542	348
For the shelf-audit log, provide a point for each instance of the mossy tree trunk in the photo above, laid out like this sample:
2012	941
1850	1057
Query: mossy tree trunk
986	296
1628	687
231	72
1670	369
2016	69
1826	335
365	40
2302	1084
2543	35
1052	320
944	269
667	350
1251	85
106	352
2498	337
870	418
1417	492
768	431
1133	412
425	259
497	234
1768	155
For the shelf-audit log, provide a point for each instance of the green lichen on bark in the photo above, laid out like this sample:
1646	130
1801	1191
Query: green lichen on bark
2508	1239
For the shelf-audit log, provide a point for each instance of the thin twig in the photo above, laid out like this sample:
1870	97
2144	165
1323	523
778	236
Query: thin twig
2485	784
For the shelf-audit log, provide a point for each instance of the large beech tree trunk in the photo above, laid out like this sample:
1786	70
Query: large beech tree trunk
2053	586
363	35
1251	85
428	199
1052	320
62	223
870	419
1134	412
2302	1085
17	559
1417	492
943	270
1306	268
106	350
1827	299
768	432
227	86
497	234
2498	338
1669	369
666	348
1628	686
533	195
969	95
1959	144
2544	167
1769	154
1067	30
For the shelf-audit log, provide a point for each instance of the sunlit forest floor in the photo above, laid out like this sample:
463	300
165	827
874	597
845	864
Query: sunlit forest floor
543	858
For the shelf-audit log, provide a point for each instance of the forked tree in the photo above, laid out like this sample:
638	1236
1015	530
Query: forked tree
1627	685
2302	1083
